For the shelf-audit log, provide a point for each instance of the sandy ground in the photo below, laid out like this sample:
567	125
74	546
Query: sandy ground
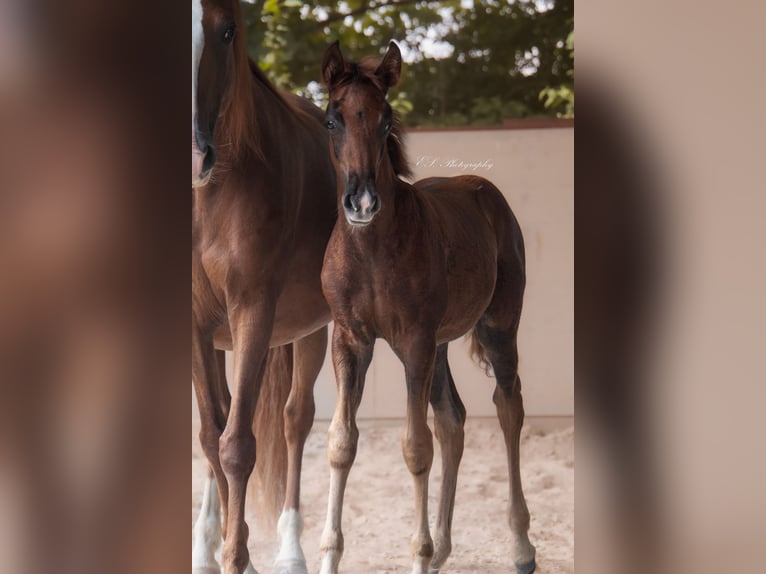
379	502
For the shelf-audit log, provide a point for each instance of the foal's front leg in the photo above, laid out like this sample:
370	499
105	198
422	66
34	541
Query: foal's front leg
417	443
351	357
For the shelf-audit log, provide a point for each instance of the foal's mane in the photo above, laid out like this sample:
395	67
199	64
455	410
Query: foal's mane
363	74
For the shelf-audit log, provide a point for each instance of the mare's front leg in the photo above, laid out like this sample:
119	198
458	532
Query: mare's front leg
418	355
351	356
251	326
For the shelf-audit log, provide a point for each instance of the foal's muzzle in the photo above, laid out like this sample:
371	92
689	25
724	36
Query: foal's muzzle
361	205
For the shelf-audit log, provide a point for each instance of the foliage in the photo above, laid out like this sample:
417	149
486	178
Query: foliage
467	62
562	96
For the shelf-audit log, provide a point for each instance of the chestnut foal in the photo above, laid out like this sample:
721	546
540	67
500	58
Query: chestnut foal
417	265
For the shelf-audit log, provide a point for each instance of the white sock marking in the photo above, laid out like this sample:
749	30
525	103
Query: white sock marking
207	529
289	529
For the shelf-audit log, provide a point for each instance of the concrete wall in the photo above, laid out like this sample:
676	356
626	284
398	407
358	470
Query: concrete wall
534	168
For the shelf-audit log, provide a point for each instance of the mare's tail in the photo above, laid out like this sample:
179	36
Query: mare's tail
267	486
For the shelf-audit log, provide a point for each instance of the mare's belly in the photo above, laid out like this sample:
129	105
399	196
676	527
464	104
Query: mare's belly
300	312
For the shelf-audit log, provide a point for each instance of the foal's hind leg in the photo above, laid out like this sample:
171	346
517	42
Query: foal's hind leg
449	419
500	347
419	357
299	417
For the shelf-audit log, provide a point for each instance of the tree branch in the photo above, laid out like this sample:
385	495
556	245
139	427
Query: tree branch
364	9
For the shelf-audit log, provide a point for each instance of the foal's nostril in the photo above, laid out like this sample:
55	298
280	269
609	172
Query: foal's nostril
351	202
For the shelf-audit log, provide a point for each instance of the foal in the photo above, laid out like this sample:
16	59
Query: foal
417	265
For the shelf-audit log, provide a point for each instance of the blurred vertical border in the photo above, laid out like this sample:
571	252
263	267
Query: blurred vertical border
94	292
669	287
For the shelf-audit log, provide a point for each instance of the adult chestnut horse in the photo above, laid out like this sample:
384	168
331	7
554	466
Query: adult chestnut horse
417	265
263	209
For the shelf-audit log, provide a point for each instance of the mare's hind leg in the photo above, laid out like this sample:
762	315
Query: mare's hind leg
449	420
500	347
209	379
299	417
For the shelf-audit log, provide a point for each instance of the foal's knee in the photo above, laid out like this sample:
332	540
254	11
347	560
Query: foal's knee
418	451
341	445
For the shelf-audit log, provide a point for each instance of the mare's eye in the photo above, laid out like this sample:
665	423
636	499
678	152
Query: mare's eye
331	125
387	127
228	35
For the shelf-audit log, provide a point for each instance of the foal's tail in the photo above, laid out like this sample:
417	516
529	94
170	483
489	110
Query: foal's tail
479	354
267	487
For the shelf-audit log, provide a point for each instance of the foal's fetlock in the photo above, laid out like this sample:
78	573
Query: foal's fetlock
332	551
443	548
422	554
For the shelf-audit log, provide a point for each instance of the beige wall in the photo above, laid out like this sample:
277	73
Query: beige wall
534	168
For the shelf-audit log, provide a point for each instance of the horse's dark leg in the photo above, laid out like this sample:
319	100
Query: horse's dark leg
299	417
449	419
205	376
251	327
351	357
418	356
500	347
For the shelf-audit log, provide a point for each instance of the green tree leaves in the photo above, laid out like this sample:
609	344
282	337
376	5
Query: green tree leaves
467	62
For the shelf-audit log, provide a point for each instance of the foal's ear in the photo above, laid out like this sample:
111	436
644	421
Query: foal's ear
332	64
390	68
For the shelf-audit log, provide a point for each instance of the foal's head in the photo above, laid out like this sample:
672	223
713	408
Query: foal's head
218	59
366	142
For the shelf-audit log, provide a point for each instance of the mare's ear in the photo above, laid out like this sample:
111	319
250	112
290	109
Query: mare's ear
390	69
332	64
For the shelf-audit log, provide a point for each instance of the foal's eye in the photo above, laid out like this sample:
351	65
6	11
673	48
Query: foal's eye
228	35
387	127
331	125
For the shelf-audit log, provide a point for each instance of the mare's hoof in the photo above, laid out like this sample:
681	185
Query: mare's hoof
205	570
526	568
291	567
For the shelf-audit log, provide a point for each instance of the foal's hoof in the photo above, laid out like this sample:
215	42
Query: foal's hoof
526	568
205	570
290	567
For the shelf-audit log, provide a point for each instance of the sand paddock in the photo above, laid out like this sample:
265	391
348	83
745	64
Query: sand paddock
379	506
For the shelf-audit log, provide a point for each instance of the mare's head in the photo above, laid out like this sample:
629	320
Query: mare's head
366	144
219	64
